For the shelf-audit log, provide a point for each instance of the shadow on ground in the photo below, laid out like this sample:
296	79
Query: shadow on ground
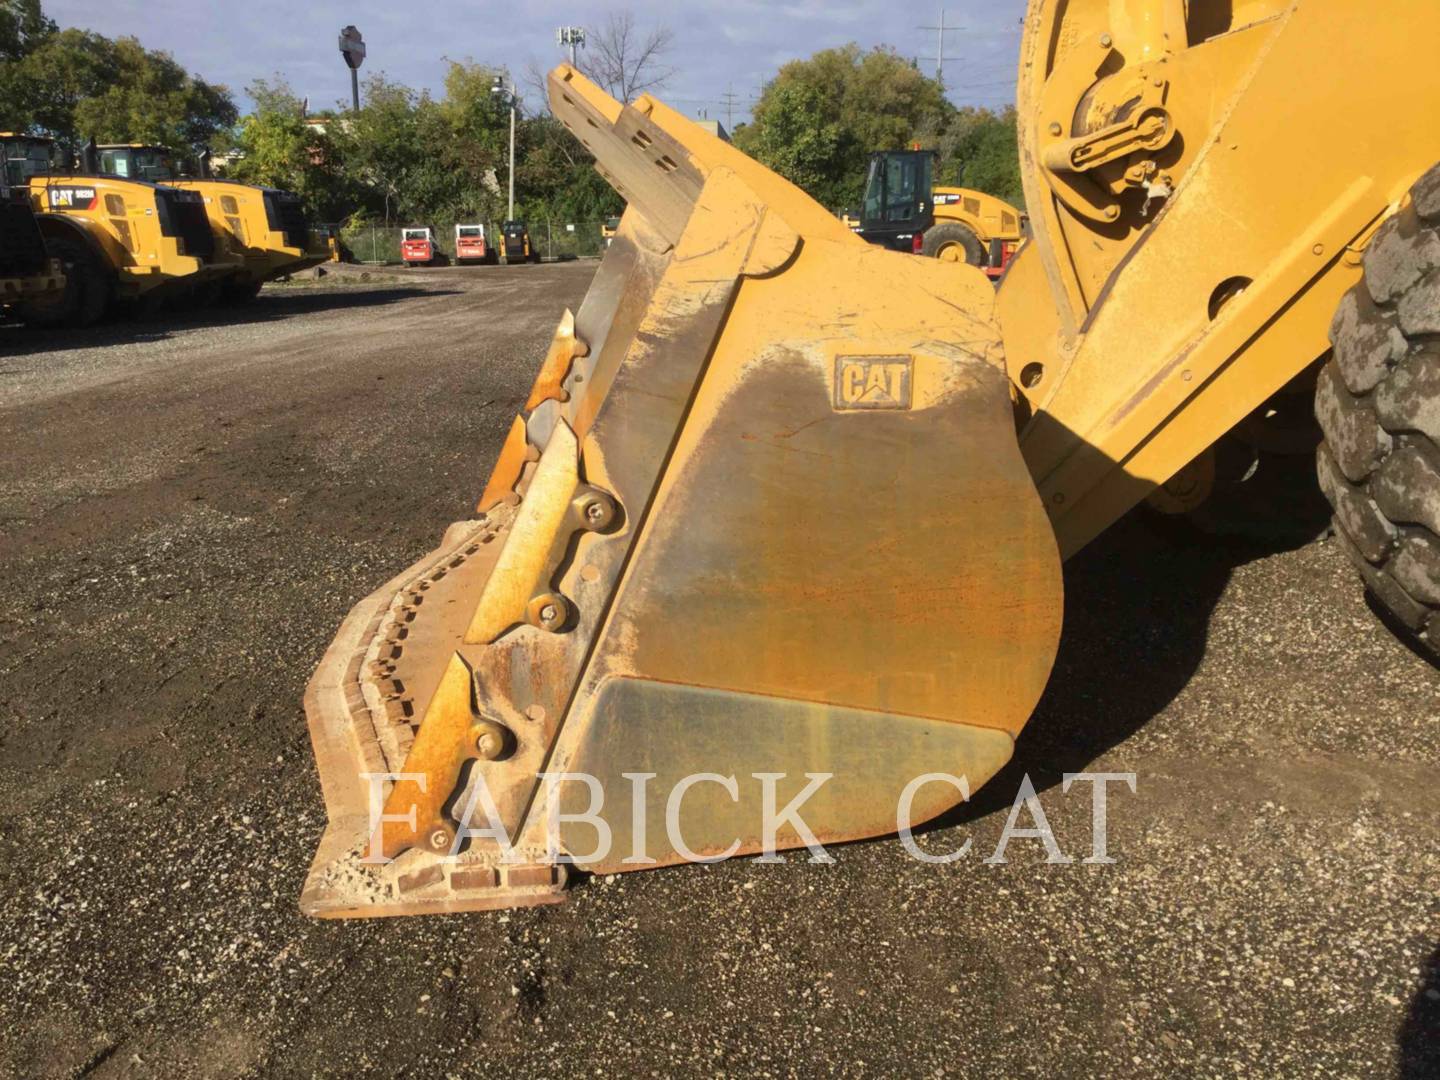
1420	1034
269	306
1138	603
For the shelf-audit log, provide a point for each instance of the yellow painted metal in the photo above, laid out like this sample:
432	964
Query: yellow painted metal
505	476
988	217
247	235
1212	280
564	348
244	231
828	551
516	579
793	577
119	217
447	738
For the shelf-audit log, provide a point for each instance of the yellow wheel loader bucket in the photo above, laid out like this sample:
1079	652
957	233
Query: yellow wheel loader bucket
764	535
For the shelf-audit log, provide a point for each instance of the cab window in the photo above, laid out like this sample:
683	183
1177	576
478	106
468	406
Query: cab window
115	162
874	191
901	184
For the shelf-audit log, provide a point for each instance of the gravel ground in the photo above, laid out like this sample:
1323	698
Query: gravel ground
189	507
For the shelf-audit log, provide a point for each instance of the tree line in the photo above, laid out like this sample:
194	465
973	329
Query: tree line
412	156
817	122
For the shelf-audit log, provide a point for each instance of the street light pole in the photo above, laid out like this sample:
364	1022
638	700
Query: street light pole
498	87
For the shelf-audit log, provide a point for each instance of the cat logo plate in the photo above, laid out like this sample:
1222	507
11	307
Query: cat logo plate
873	382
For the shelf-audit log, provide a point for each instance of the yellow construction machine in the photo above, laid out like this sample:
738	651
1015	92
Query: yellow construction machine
264	231
117	239
902	210
781	525
27	273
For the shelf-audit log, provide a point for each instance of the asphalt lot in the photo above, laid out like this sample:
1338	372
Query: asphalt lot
189	507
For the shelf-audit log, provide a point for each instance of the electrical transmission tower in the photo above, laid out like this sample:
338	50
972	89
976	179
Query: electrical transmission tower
728	99
940	32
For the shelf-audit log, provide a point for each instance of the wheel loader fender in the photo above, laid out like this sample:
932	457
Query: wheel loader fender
763	534
1194	221
100	242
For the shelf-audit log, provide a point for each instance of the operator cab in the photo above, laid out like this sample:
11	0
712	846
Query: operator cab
24	156
897	208
132	161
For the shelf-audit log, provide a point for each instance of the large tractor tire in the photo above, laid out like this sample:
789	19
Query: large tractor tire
949	241
87	288
207	295
1378	401
241	292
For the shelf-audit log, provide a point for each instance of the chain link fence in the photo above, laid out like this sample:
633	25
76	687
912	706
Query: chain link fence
551	238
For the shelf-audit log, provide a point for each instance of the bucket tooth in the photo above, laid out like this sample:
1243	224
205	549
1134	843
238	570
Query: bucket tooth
564	348
780	525
505	476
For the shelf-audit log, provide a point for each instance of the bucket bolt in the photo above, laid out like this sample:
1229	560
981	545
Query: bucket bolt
491	740
439	838
595	509
549	611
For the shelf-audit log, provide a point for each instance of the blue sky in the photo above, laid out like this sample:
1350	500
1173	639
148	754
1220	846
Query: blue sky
720	46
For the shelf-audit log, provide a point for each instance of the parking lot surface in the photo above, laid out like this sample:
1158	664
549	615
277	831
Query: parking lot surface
189	507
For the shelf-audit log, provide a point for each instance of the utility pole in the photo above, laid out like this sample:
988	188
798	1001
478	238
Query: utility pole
728	98
572	36
508	94
940	32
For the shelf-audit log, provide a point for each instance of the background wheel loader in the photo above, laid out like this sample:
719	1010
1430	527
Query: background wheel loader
264	232
27	273
784	514
902	210
118	240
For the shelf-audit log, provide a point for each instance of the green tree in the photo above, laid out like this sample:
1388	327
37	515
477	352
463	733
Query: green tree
828	113
471	126
75	84
23	26
152	99
979	149
556	176
799	141
278	148
384	148
43	89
